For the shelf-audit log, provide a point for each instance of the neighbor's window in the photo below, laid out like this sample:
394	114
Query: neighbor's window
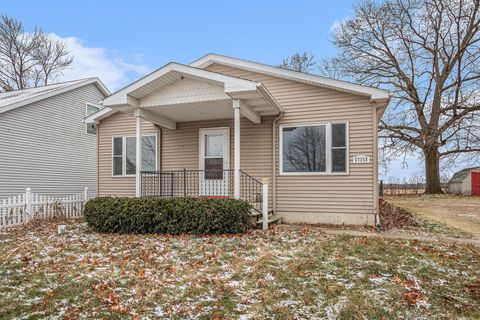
124	155
314	148
91	109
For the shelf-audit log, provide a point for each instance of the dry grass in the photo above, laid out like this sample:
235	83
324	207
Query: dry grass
457	212
280	274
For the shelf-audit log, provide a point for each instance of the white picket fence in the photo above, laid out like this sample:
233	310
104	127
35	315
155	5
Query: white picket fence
28	206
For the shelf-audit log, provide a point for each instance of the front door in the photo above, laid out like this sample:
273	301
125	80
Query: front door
214	162
476	183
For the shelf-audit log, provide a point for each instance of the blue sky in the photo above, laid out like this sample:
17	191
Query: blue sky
155	32
119	41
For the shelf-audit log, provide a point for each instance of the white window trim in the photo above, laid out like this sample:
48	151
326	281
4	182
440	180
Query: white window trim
328	148
86	115
124	154
201	147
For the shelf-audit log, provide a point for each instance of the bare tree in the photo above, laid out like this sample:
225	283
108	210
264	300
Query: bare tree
29	59
301	62
330	68
427	53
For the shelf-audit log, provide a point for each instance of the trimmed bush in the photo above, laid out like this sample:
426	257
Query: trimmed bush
167	215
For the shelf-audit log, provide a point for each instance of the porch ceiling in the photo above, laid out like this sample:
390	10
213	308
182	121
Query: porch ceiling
195	111
179	93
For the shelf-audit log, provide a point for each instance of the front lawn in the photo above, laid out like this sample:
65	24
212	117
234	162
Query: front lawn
279	274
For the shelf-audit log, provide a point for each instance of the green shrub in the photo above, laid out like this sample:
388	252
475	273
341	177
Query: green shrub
167	215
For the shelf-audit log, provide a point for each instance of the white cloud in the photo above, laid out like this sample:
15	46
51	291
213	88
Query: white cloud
112	69
335	26
337	23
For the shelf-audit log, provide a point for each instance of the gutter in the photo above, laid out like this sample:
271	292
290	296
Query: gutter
268	97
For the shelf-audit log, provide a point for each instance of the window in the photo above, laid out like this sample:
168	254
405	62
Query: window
91	109
118	156
339	147
130	155
314	149
304	149
124	155
213	156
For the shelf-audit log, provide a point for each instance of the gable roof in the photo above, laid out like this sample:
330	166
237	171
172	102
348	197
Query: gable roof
375	94
172	72
15	99
460	176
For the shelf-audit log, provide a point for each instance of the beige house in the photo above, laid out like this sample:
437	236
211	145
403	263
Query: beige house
225	127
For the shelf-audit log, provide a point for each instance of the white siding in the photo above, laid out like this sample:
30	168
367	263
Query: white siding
464	187
44	145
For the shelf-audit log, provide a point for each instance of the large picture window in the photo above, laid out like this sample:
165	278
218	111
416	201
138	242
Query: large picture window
124	155
314	149
304	149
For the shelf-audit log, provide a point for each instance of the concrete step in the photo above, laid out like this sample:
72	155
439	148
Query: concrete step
255	213
272	218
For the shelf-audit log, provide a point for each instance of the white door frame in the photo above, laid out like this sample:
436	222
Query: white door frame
212	187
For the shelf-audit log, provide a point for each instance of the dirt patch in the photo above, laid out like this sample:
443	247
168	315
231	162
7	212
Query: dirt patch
393	217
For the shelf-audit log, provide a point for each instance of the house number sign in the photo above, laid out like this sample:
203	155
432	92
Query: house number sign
361	159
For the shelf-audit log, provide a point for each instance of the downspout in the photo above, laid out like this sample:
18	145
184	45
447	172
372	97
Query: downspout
378	114
274	161
159	146
97	138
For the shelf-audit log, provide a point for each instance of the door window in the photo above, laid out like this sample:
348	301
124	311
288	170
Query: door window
213	156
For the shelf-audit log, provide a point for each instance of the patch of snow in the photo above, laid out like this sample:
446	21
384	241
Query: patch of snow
334	310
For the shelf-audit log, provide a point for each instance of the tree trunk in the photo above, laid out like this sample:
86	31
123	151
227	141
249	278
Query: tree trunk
432	171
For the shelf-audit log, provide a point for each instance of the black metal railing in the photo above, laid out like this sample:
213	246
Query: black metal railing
201	183
251	190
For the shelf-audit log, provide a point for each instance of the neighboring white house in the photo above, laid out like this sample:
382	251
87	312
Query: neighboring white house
466	181
44	143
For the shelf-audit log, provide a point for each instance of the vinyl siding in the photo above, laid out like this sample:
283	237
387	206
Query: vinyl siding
119	124
180	148
44	145
313	199
323	198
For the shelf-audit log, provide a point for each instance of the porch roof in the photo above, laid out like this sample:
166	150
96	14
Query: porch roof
181	93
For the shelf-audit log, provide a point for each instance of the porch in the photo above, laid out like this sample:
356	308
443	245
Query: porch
176	95
207	184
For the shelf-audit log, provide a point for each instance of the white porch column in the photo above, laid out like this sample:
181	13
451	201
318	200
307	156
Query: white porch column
138	154
236	143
